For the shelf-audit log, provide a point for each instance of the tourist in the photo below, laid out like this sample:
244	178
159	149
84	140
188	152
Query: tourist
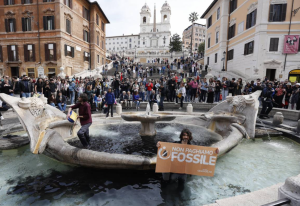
288	95
85	118
72	89
267	101
225	86
210	91
295	95
123	99
181	95
149	87
171	87
278	97
217	91
130	99
163	94
61	101
152	99
204	88
109	100
194	86
38	88
136	99
26	87
16	86
239	86
99	102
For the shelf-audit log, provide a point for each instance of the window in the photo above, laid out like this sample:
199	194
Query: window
249	48
29	53
1	54
12	53
102	26
26	1
102	60
208	43
209	22
129	46
85	13
165	17
251	19
231	31
10	25
102	46
144	20
207	60
233	5
241	27
218	13
274	44
68	26
31	73
69	51
98	59
277	12
86	56
48	22
9	2
97	19
230	55
86	36
217	37
129	40
48	0
98	42
50	52
216	57
68	3
26	24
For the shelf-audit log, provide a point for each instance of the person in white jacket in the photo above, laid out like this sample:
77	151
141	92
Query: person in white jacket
181	94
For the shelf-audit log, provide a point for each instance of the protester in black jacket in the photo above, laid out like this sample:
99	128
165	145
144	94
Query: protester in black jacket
26	87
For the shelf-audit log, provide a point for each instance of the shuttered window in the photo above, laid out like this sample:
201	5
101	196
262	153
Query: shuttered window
251	19
231	32
1	54
68	26
233	5
26	1
48	23
29	53
98	59
207	60
208	44
102	26
26	24
12	53
274	44
48	0
9	2
85	13
69	51
68	3
97	19
217	37
86	36
102	42
277	12
86	56
209	22
249	48
216	57
50	52
98	41
230	54
10	25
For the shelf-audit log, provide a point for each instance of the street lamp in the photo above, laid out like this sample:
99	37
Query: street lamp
224	53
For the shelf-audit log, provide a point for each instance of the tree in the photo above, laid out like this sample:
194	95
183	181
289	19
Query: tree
193	17
175	43
201	48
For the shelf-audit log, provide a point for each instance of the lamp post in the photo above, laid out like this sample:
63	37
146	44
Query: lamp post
196	53
224	53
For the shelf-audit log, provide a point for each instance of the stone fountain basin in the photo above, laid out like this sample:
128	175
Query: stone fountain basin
142	117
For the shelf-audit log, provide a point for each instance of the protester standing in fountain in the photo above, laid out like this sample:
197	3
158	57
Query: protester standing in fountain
267	101
85	119
110	100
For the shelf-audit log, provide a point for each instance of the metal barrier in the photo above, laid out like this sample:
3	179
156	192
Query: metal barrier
279	202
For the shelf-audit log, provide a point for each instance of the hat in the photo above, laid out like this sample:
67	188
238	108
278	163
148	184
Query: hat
289	83
298	84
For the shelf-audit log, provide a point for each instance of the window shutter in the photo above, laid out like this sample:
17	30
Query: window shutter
83	56
31	1
252	47
17	53
254	17
33	51
83	11
22	1
46	52
29	25
72	49
245	49
83	36
5	2
9	52
1	54
13	2
6	25
88	14
45	22
23	24
271	45
53	22
283	12
233	32
15	25
66	50
247	21
25	53
54	48
271	13
71	4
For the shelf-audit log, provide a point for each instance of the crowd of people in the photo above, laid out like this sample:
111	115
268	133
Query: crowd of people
132	83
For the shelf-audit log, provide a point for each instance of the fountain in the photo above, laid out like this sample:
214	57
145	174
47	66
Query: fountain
147	120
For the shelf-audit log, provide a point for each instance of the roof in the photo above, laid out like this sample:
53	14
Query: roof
123	36
97	4
209	8
191	26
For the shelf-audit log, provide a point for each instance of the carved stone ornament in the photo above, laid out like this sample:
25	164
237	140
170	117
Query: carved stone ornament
68	16
273	62
51	63
239	103
9	14
252	7
97	31
232	22
208	35
278	2
27	13
49	11
217	28
86	27
37	106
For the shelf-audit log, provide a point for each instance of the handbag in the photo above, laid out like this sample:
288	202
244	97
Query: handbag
105	106
179	95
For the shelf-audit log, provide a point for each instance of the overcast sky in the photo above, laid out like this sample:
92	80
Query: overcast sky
124	15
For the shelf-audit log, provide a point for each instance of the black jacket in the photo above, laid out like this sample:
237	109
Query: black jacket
23	87
63	99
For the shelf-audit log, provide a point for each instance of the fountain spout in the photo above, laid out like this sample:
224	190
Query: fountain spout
148	110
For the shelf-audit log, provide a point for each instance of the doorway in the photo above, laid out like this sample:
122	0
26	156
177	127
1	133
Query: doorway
14	71
271	74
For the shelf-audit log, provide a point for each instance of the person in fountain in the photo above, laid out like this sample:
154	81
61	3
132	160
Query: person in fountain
85	119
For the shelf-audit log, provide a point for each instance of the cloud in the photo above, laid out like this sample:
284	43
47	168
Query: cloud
124	15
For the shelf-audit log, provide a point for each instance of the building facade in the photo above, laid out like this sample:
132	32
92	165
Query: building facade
40	36
198	31
153	37
248	37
